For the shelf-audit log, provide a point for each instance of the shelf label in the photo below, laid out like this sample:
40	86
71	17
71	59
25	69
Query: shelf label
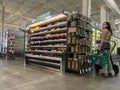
35	28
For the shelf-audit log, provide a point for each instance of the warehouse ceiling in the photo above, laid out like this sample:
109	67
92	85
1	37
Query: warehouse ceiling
18	13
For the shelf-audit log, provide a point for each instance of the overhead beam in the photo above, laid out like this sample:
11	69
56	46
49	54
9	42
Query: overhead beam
11	25
19	14
113	6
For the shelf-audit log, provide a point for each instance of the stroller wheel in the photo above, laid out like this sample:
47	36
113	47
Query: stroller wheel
97	68
116	69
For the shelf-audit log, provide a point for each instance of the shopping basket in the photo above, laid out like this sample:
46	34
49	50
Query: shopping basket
100	58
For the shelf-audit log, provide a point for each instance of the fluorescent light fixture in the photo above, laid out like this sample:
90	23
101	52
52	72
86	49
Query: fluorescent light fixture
48	20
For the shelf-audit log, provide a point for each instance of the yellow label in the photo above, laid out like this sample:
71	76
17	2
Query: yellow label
72	29
35	28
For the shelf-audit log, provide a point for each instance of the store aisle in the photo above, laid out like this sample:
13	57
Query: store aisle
14	76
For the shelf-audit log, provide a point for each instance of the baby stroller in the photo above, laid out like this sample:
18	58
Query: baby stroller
99	60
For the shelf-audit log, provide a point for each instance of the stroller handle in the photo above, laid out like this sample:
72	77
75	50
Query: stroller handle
114	44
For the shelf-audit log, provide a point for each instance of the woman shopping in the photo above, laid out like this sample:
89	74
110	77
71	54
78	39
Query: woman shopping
105	45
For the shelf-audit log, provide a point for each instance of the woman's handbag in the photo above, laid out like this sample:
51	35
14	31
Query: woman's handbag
106	46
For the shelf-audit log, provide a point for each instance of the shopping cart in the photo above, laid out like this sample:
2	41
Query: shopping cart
99	59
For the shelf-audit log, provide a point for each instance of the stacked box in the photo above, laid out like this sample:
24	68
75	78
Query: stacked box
76	64
73	64
72	29
69	64
73	40
69	40
72	48
77	41
75	56
76	48
73	23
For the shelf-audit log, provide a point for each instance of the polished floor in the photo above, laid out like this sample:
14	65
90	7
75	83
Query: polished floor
14	76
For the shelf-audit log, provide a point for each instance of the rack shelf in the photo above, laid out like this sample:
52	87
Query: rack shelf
57	64
43	51
62	24
82	27
50	46
86	29
79	53
50	41
87	45
45	64
44	57
80	18
80	36
60	30
56	36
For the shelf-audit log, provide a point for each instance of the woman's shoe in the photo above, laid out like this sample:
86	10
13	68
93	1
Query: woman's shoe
112	74
101	72
105	74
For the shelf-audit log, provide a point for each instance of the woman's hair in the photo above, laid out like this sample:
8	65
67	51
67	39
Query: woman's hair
97	41
108	27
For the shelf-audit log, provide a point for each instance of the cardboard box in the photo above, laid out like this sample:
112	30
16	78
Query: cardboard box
68	64
73	65
80	57
75	55
81	23
75	59
76	48
73	40
69	39
72	48
70	59
74	23
76	65
77	41
80	49
81	40
72	29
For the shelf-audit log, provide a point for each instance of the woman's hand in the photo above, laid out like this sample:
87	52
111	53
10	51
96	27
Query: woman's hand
99	47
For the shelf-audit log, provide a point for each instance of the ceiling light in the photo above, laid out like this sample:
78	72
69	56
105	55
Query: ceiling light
47	20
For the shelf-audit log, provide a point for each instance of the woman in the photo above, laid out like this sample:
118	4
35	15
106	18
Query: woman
104	44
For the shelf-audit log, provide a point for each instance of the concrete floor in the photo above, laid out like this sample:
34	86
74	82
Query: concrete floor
14	76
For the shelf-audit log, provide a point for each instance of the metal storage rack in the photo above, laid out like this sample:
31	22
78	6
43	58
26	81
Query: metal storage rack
47	45
78	44
61	42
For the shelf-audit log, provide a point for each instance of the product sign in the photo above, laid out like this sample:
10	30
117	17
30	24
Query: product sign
12	43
